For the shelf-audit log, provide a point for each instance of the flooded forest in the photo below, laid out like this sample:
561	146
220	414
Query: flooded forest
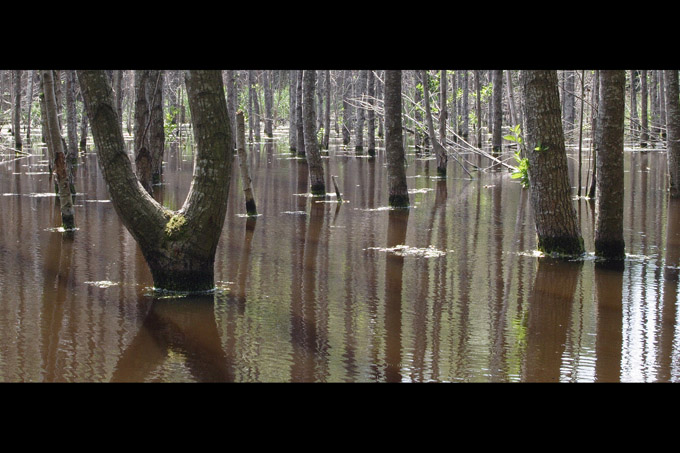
339	226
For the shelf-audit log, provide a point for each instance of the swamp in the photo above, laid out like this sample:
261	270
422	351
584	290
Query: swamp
342	286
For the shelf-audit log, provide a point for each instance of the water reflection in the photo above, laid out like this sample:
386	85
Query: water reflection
318	291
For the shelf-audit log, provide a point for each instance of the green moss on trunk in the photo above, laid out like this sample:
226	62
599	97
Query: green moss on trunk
562	246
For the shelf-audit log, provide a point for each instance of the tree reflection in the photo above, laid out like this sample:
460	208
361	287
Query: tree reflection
394	265
183	327
549	317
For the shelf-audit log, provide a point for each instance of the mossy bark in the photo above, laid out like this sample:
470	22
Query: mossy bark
179	246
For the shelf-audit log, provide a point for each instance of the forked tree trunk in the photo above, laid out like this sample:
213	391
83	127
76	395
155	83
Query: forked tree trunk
56	143
394	141
557	225
316	176
609	242
179	246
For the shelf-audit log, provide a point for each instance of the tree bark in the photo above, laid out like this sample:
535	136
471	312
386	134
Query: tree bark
56	143
327	116
673	130
557	226
497	137
246	182
370	114
301	151
16	110
292	110
316	176
268	104
156	126
394	143
179	246
346	108
609	242
644	102
440	151
362	80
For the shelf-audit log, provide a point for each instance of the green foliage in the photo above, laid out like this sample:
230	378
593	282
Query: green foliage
170	127
522	171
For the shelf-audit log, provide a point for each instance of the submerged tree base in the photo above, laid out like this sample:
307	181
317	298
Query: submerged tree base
610	250
183	280
561	246
399	201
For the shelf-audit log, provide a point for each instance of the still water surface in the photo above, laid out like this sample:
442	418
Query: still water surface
318	291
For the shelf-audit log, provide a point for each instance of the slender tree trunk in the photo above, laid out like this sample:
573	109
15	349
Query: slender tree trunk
370	114
644	102
56	142
316	176
346	108
662	105
595	101
71	118
142	149
16	111
557	225
327	116
268	104
443	109
633	105
179	246
497	138
394	142
478	107
466	106
231	99
156	131
440	151
609	241
361	111
301	151
246	182
511	98
292	110
29	105
673	126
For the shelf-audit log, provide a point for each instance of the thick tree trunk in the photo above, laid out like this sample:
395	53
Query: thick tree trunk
609	241
394	141
557	225
179	246
673	127
56	143
316	176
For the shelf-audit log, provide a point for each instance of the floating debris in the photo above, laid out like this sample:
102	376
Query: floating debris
405	250
103	284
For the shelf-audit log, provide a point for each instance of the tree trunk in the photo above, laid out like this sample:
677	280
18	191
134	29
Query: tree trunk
673	127
156	132
555	217
71	118
440	151
595	100
142	148
511	98
299	125
29	103
316	176
478	107
56	143
394	144
179	246
268	104
231	99
370	114
16	110
609	241
327	116
361	111
292	110
346	108
497	138
443	110
246	182
644	102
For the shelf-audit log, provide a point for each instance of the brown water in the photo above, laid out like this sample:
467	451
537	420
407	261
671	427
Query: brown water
313	290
